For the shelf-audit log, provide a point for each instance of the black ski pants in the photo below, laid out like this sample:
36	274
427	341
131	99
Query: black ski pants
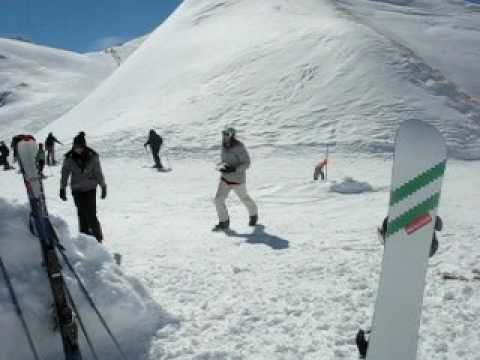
4	162
156	157
51	155
86	203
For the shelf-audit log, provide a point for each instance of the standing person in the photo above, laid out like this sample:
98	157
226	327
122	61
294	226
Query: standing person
4	152
50	146
40	160
319	170
82	164
155	141
234	163
15	140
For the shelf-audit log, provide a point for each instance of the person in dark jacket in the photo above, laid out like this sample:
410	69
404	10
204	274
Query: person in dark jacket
233	168
50	147
4	152
82	165
40	160
155	141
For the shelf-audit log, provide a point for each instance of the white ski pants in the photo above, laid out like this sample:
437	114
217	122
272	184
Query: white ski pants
241	191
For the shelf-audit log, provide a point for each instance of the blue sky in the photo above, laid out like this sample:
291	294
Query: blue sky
82	25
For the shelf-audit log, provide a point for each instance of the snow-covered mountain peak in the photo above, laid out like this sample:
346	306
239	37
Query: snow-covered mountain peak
284	73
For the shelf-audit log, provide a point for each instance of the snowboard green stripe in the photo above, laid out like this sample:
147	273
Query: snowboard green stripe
417	183
406	218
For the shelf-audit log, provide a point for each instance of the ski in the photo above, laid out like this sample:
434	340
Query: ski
18	309
418	169
65	317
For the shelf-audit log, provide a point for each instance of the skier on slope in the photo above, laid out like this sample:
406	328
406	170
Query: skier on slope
4	152
155	141
83	165
234	163
40	160
50	147
319	170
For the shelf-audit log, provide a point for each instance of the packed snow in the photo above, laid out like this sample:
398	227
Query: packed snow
292	77
122	299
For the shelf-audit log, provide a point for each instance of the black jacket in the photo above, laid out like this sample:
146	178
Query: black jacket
155	141
51	140
4	152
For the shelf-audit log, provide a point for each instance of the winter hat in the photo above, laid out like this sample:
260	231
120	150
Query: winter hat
229	131
79	140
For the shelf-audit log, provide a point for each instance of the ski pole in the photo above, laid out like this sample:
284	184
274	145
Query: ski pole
87	295
82	325
19	310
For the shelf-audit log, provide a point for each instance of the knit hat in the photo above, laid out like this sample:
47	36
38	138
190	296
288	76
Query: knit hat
230	131
79	140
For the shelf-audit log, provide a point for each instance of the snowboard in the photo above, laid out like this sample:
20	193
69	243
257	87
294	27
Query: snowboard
418	169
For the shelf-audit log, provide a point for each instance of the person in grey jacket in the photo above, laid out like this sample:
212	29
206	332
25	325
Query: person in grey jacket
234	163
82	165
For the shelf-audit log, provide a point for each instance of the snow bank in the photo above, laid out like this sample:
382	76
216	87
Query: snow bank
350	186
124	302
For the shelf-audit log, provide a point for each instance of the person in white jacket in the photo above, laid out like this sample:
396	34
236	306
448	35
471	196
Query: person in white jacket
234	163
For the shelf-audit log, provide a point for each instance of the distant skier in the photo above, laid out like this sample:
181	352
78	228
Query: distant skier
434	244
319	170
155	141
50	147
83	165
234	163
40	160
4	152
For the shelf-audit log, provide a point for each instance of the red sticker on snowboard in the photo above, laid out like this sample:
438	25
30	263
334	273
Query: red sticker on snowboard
418	223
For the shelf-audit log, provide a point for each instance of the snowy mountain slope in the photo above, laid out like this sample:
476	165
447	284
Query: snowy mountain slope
292	76
38	84
444	33
120	53
285	73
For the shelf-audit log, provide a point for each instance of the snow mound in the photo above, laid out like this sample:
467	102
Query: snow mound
350	186
124	302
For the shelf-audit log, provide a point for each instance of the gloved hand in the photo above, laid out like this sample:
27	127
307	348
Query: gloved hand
228	169
63	194
104	192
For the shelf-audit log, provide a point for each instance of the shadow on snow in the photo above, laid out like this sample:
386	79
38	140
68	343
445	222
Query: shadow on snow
259	236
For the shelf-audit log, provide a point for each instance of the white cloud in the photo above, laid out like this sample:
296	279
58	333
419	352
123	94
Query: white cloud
106	42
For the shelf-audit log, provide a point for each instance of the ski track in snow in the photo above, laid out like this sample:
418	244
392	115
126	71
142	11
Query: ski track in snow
420	73
301	283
